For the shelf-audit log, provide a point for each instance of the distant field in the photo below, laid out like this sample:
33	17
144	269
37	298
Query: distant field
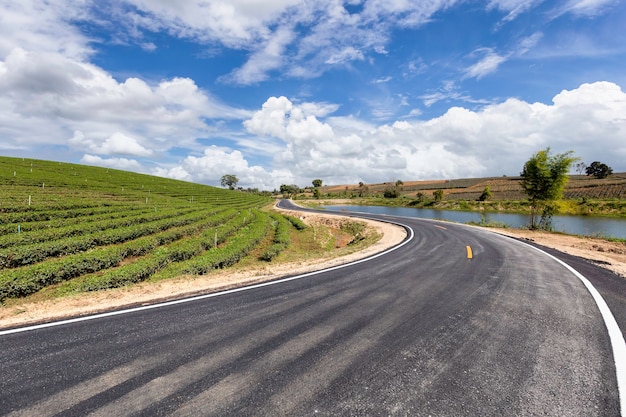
502	188
84	228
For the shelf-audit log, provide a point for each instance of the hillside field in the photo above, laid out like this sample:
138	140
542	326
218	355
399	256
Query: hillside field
502	188
583	195
85	228
68	228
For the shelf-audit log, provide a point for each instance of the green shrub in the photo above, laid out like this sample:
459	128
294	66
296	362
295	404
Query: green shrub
281	238
296	222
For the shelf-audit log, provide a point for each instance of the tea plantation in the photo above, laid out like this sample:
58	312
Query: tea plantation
91	228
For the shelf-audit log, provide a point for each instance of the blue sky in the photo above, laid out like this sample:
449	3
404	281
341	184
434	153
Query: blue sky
286	91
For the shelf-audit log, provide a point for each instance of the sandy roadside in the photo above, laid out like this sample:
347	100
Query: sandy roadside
610	255
604	253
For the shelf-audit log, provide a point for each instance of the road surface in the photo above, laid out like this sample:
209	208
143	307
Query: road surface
456	321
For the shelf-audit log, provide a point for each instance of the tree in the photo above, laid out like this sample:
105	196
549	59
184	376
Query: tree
543	179
229	181
438	194
363	189
317	183
580	167
599	170
289	190
486	195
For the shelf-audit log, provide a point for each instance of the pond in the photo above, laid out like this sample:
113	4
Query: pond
575	225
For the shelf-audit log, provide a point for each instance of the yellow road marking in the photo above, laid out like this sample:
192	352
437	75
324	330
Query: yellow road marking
469	252
441	227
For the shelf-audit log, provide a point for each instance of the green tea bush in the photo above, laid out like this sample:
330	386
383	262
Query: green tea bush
281	238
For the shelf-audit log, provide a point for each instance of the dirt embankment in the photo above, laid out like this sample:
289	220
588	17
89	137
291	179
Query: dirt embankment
610	255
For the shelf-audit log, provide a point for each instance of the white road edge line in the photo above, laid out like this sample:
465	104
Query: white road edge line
211	295
615	334
618	344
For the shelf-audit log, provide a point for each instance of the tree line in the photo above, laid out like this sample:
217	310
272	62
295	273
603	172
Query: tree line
544	177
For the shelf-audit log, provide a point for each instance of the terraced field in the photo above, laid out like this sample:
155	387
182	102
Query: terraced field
87	228
502	188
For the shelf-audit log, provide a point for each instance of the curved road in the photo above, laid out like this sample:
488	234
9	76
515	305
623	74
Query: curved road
456	321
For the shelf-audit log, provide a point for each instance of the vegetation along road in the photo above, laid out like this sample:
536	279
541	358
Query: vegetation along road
453	321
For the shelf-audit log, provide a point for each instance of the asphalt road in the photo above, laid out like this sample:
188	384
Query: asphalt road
455	322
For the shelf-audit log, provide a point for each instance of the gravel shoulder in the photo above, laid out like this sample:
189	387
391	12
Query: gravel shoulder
609	255
604	253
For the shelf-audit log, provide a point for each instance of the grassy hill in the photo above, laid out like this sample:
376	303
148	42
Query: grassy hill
86	228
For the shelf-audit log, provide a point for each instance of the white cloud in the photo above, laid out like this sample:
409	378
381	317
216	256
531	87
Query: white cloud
345	55
490	61
117	163
217	161
177	173
528	43
235	23
46	97
406	13
299	39
116	144
488	64
588	8
382	80
52	96
38	25
449	91
281	119
267	58
513	7
493	141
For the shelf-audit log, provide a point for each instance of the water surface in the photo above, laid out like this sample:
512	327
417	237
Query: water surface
575	225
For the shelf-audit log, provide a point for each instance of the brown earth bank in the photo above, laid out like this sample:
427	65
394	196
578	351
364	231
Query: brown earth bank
607	254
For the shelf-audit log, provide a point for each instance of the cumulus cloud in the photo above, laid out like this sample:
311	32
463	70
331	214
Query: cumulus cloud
216	162
53	96
117	163
36	25
281	119
47	96
495	140
116	144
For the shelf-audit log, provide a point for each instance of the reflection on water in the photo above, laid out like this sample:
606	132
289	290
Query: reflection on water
576	225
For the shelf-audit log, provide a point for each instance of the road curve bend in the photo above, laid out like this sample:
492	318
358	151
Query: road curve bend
456	321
